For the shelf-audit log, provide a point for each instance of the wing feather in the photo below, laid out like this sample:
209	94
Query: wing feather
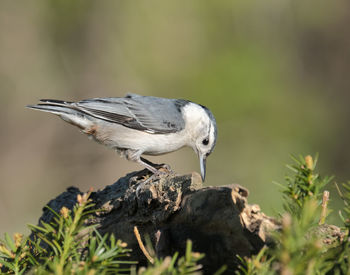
144	113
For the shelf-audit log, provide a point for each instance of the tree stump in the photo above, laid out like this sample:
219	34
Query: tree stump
171	209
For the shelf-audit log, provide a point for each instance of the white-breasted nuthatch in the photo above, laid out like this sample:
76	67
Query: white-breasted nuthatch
135	125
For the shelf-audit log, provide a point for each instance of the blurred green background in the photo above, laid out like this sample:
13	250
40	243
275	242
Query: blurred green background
275	74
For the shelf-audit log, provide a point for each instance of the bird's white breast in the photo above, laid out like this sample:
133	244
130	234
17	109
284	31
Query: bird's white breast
118	136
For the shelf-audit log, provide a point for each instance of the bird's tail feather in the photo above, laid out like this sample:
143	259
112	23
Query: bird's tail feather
56	101
66	110
53	108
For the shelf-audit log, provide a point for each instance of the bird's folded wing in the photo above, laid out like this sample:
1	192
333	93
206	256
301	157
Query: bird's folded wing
149	114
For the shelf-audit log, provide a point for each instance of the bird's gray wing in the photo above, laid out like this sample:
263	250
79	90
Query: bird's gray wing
144	113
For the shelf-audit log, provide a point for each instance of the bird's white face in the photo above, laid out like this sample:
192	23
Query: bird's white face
205	144
202	129
206	139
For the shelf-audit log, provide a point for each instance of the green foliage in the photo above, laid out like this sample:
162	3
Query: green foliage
299	247
297	251
174	266
305	184
346	198
338	258
65	246
14	254
257	264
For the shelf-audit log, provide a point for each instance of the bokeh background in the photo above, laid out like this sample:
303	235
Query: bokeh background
275	73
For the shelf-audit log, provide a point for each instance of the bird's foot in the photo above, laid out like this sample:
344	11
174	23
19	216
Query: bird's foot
162	170
143	183
159	171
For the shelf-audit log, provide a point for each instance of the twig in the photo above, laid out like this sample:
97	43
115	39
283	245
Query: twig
325	200
143	249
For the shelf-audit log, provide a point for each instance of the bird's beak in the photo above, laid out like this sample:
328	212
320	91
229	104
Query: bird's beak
203	161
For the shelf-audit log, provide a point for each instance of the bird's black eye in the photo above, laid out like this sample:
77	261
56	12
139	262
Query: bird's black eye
205	141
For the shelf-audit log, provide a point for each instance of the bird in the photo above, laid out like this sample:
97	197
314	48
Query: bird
137	125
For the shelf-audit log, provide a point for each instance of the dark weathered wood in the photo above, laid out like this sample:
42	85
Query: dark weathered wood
173	208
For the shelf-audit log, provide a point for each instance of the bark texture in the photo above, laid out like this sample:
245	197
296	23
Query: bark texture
173	208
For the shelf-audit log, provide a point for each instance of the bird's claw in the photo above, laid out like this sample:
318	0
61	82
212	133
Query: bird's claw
163	171
143	183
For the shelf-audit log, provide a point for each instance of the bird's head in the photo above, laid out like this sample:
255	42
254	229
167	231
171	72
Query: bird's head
203	131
